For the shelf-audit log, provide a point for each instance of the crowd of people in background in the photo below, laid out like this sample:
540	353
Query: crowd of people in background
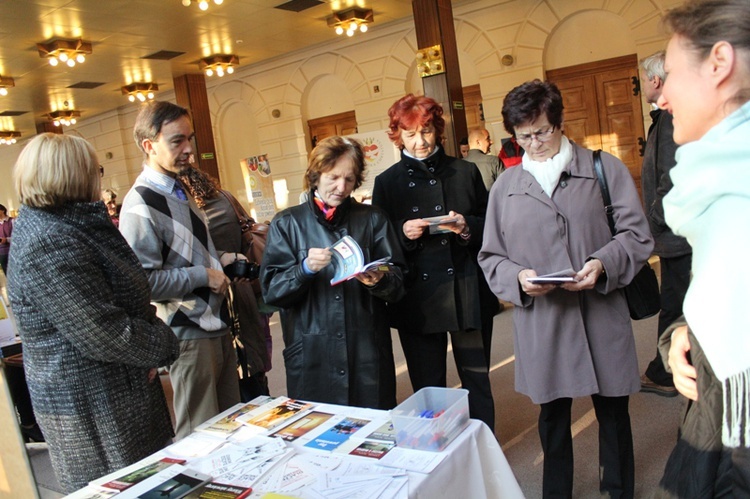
107	297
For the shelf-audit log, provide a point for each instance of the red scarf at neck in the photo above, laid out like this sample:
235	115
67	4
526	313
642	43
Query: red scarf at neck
328	211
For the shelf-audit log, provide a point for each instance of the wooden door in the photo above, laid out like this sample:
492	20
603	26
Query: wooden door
473	107
335	124
603	108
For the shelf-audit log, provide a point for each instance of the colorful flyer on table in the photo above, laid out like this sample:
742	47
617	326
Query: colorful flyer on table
338	434
306	423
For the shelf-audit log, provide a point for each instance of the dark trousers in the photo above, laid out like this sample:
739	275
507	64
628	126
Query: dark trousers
19	392
616	461
675	279
426	359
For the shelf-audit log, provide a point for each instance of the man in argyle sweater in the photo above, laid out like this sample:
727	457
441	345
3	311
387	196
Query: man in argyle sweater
170	237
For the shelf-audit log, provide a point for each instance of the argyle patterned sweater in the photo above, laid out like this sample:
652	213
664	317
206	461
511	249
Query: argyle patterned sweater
170	238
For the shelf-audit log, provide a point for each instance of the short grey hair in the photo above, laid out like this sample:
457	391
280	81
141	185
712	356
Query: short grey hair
653	65
54	170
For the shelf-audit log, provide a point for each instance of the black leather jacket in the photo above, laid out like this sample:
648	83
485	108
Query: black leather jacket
337	340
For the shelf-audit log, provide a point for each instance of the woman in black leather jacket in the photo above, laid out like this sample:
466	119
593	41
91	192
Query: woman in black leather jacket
337	339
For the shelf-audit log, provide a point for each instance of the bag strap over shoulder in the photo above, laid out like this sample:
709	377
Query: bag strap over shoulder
242	215
608	209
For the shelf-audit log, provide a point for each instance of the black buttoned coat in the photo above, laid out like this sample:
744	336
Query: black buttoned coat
442	283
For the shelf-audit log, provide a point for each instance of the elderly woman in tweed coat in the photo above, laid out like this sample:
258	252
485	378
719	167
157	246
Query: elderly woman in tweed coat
90	336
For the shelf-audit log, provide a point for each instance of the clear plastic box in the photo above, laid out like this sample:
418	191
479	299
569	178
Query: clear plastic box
431	418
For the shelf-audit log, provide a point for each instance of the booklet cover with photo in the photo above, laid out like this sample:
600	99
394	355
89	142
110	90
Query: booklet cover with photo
386	433
349	261
337	434
306	423
277	415
214	490
229	424
373	449
135	473
174	482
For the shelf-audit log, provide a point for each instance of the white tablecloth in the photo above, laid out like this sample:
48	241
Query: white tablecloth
475	468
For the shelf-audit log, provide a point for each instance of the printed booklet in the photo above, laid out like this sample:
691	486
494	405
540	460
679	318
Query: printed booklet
567	275
349	260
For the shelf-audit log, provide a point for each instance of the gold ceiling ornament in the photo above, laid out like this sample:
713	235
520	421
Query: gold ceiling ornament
202	4
140	91
64	50
64	117
219	64
430	61
8	137
350	20
6	82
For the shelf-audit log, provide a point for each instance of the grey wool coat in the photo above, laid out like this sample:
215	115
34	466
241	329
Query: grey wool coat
568	344
90	335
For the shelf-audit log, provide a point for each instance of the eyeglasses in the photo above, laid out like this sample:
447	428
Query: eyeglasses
541	136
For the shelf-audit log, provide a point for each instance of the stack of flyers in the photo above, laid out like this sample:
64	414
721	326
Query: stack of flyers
360	481
244	463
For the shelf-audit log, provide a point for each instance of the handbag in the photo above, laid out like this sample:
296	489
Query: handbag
642	293
254	235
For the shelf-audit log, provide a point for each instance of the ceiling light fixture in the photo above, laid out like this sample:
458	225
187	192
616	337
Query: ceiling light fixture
8	137
67	51
64	117
350	20
141	91
202	4
219	64
5	83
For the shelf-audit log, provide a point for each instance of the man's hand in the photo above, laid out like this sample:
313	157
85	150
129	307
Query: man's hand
229	258
318	258
218	281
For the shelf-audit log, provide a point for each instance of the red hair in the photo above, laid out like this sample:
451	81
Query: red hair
410	112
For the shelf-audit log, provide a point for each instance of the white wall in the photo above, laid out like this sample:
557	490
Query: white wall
539	34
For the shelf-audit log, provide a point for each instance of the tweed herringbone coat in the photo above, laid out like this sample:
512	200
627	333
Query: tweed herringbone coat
90	335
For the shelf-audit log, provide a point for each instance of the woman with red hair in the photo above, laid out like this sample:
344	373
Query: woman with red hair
442	284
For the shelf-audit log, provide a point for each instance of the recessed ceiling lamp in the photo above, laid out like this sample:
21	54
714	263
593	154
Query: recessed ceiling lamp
64	50
220	64
202	4
350	21
5	83
64	117
140	91
8	137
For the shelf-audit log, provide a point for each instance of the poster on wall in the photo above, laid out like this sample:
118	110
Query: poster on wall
259	184
380	154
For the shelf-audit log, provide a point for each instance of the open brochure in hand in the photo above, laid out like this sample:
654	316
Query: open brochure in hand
349	260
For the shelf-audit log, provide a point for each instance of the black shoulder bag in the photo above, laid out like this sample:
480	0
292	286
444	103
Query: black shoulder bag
643	291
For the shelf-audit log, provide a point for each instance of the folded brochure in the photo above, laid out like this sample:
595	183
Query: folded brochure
567	275
349	260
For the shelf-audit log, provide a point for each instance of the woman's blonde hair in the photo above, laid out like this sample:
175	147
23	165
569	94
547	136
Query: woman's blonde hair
55	169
